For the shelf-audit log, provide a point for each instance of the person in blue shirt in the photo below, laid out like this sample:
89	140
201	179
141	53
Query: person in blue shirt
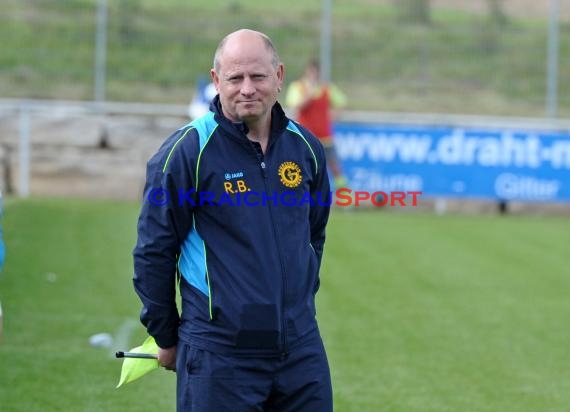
234	212
2	249
2	254
200	103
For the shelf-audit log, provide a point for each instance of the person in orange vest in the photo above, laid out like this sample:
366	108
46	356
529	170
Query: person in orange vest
315	104
2	256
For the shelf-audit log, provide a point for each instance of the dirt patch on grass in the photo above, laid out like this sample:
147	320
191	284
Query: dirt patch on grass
519	8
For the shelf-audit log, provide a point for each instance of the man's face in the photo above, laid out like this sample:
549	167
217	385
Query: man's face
246	81
312	73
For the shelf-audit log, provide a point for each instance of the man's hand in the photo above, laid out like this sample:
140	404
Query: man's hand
167	358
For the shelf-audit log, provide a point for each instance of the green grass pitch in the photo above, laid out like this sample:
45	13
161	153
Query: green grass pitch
419	312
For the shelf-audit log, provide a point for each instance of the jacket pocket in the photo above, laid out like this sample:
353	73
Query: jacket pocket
259	327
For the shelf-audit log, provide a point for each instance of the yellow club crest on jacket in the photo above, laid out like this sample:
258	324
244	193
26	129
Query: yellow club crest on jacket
290	174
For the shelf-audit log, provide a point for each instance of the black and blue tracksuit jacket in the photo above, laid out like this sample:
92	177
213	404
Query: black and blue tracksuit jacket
244	230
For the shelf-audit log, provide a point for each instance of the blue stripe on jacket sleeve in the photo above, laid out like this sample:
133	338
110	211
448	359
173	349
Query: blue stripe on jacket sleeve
192	263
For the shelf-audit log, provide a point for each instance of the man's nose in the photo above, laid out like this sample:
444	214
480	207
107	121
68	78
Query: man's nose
247	86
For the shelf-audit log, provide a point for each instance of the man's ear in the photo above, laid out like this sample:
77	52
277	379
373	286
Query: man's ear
215	79
281	75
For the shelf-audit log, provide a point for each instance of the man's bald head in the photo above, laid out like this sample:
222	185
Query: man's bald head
246	36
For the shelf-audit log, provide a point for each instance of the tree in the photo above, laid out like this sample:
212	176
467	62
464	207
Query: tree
127	11
414	11
497	12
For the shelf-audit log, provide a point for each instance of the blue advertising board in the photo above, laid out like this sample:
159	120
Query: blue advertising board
451	161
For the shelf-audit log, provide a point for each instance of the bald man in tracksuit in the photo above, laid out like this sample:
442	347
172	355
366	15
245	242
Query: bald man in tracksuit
236	204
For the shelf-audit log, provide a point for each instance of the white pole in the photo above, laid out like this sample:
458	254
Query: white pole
24	150
552	68
325	58
100	51
440	206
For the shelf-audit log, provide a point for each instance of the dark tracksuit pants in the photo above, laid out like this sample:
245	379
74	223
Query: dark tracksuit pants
297	382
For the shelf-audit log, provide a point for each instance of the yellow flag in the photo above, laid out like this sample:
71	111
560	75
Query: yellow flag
134	368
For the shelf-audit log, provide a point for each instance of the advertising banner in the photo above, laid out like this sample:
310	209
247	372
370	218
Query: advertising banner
450	161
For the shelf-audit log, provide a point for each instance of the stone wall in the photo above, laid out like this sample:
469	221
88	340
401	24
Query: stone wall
104	156
82	155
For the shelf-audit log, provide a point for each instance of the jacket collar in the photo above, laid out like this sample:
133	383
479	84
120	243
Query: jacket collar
279	121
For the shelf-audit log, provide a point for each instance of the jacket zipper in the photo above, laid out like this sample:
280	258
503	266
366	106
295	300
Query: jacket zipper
263	167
